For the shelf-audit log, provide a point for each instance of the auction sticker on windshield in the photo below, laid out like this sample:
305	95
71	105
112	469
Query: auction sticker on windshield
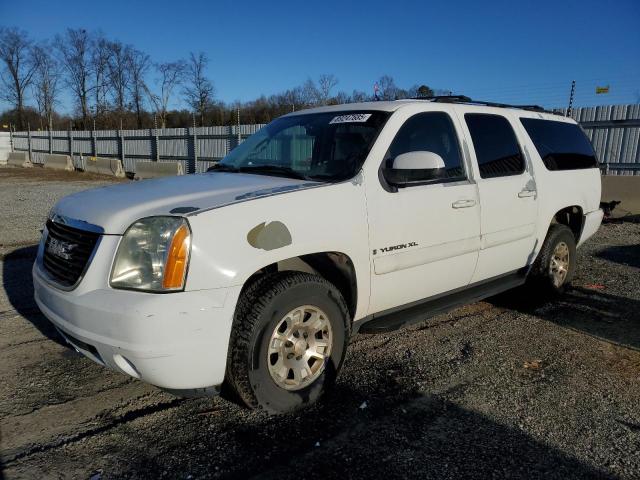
354	117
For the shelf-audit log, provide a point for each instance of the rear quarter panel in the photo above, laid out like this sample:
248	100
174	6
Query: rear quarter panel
562	188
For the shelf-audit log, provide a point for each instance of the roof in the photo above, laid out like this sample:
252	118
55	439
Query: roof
465	102
383	106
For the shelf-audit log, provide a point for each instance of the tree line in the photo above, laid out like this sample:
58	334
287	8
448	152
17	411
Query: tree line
115	85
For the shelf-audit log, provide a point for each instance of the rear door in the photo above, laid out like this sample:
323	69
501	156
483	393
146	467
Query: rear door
508	196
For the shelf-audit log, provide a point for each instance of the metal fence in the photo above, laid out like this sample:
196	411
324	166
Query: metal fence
196	148
614	131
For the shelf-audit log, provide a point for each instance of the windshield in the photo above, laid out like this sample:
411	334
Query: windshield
319	146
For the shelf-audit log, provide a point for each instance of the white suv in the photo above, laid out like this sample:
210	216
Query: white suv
251	278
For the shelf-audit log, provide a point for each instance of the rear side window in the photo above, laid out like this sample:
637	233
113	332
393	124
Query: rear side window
562	146
431	132
496	145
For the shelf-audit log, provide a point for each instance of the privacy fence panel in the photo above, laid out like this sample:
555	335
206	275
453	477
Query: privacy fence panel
614	131
196	148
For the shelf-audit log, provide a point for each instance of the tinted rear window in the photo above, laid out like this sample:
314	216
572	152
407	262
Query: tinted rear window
562	146
496	146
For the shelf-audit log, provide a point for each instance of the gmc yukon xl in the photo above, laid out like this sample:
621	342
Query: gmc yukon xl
250	279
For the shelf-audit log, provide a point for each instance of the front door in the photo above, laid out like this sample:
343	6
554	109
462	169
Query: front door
424	238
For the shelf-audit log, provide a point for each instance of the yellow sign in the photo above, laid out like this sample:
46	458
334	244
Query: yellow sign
602	90
5	126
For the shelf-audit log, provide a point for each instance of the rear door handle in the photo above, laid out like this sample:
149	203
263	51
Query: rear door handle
526	193
463	204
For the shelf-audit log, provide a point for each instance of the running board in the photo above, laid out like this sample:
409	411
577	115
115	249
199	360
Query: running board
399	317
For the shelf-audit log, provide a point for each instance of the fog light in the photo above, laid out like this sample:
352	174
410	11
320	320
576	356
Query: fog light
126	366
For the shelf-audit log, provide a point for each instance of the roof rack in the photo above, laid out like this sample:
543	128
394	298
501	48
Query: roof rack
468	100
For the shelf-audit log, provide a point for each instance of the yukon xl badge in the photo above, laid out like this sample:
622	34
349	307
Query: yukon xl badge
396	247
60	249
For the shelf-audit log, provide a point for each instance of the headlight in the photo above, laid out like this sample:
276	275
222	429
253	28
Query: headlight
153	255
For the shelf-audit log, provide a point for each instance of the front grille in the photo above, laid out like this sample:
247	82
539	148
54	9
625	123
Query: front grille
66	252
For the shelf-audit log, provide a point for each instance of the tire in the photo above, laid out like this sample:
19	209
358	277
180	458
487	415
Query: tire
257	365
544	275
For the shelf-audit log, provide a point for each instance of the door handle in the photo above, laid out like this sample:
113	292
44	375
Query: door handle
463	203
526	193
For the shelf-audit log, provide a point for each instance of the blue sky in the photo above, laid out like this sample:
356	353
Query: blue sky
510	51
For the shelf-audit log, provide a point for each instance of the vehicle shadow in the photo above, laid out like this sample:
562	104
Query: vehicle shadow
617	217
623	254
398	435
609	317
18	285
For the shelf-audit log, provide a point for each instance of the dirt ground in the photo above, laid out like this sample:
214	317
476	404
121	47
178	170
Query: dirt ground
506	388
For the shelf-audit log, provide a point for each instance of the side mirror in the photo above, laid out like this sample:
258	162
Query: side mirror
415	167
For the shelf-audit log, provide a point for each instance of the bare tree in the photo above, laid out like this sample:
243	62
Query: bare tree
199	90
170	75
19	68
326	83
310	93
99	69
339	98
139	63
75	54
359	96
46	83
119	74
388	88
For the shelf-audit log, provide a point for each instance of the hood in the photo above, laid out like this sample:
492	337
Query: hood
116	207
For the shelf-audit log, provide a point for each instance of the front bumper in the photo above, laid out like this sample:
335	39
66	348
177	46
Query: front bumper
176	341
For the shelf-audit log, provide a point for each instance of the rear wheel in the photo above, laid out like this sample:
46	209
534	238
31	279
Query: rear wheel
554	268
288	341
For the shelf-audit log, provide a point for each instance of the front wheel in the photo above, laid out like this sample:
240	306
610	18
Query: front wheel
555	265
288	341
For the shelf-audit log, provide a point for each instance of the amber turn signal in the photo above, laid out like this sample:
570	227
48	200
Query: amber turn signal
177	259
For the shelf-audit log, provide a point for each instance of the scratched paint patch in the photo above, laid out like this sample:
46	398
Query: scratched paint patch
269	236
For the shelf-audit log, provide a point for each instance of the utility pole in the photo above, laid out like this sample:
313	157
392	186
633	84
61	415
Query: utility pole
573	90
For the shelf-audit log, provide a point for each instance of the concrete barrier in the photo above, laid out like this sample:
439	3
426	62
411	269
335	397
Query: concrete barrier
157	169
104	166
5	147
19	159
624	188
58	162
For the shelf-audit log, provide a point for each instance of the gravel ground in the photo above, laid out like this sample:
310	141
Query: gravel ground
27	194
510	387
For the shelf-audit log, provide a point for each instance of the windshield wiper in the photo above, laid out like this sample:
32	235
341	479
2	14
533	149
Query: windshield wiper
327	177
274	169
219	167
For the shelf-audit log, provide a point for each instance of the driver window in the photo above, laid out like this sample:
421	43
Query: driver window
431	132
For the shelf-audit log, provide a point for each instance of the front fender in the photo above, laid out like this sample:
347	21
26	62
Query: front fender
231	243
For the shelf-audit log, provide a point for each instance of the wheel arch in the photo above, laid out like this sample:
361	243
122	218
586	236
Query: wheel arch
335	267
572	217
